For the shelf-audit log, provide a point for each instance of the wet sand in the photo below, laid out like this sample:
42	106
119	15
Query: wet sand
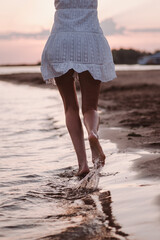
132	102
129	109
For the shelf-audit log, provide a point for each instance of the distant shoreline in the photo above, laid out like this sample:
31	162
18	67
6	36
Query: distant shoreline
39	64
20	65
120	56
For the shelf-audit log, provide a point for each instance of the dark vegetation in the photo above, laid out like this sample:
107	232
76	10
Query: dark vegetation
120	56
129	56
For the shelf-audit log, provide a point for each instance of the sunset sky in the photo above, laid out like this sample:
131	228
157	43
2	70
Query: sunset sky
25	26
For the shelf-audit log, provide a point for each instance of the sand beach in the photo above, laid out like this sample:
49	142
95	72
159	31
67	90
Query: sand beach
127	204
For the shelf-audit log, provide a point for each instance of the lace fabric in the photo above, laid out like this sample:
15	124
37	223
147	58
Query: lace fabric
77	42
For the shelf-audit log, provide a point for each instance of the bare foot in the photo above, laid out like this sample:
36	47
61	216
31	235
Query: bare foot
98	156
83	171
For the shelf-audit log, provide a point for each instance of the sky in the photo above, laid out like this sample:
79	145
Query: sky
25	26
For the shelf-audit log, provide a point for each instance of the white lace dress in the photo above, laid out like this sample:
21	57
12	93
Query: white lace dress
77	42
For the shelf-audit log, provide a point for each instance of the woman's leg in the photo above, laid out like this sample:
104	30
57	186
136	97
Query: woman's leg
90	89
66	86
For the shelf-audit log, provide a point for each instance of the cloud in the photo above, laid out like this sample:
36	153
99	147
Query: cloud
145	30
16	35
109	27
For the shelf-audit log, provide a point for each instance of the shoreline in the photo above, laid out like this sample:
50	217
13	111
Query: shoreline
131	101
132	169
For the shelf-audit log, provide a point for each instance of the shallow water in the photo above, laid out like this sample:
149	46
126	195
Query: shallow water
36	69
37	178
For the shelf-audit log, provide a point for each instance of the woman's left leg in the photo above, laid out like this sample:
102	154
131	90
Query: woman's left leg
90	89
66	87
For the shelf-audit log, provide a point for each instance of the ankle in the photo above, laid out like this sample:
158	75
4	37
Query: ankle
92	133
83	164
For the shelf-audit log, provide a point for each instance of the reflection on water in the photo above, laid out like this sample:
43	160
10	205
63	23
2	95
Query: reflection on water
38	167
37	175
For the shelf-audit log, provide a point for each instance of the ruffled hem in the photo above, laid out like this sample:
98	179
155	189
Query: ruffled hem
103	72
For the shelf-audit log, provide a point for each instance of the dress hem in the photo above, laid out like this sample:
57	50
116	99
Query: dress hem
103	72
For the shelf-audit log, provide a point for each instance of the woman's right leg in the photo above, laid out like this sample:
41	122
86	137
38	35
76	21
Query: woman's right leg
90	89
66	87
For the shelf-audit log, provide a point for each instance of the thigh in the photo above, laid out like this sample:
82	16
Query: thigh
66	87
90	89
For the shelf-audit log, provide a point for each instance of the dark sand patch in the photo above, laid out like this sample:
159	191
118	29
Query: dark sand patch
132	101
33	79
